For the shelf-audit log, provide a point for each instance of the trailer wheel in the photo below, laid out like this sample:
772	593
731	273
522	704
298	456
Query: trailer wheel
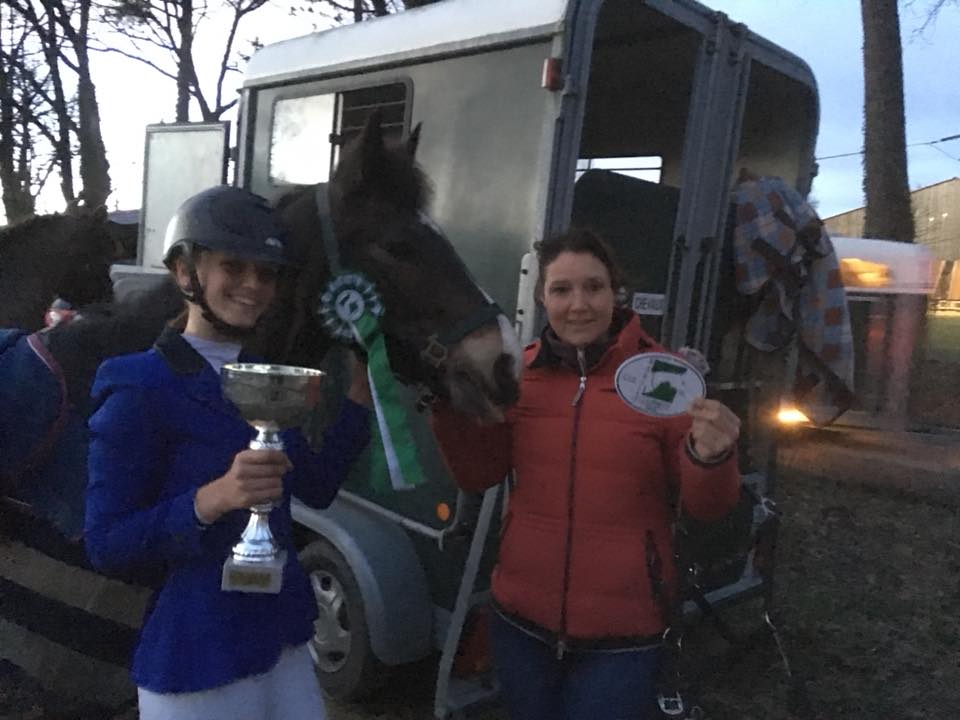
340	646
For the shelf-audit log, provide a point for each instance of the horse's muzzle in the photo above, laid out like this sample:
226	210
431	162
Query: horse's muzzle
484	395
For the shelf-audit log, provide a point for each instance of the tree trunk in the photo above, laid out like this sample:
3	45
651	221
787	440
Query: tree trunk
185	70
888	214
94	168
15	167
62	150
18	201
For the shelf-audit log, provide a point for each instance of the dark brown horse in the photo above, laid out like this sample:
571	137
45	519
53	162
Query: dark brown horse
48	256
441	334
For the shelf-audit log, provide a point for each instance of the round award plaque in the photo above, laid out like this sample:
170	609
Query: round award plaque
659	384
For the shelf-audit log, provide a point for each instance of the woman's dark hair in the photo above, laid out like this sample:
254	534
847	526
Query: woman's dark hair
577	240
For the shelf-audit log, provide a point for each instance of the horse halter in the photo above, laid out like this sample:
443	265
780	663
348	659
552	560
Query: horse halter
435	349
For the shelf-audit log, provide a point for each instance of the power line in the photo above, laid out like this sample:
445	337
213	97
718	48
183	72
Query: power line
833	157
941	150
931	143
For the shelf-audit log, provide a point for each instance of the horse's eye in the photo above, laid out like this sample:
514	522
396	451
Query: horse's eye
403	250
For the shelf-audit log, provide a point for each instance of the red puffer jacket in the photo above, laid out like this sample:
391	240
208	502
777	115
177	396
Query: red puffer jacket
589	519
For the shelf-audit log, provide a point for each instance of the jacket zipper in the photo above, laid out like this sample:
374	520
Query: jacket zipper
576	403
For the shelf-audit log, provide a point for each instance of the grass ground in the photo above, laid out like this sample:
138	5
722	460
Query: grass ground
934	391
943	337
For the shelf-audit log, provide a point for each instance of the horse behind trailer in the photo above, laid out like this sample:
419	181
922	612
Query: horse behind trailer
65	255
74	627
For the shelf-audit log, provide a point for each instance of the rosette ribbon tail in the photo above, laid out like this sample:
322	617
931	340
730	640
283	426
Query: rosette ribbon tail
350	310
399	451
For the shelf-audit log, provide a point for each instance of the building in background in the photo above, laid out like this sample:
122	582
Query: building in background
936	217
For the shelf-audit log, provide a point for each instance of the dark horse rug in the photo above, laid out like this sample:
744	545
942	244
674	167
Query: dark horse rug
58	619
35	424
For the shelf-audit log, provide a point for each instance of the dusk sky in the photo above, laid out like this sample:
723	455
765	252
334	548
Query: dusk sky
825	33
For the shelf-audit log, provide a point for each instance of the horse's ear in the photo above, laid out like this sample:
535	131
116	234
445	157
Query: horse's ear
413	141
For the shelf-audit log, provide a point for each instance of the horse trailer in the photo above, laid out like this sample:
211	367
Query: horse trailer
631	116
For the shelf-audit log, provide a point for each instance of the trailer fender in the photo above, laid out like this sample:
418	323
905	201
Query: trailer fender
396	601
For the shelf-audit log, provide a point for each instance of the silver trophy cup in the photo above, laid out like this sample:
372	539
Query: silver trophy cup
271	398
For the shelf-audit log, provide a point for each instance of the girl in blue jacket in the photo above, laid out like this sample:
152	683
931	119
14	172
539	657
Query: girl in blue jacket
171	480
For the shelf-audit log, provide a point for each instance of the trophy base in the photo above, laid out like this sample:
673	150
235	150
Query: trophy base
253	577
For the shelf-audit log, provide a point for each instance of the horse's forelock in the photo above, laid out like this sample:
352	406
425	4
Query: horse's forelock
399	181
385	174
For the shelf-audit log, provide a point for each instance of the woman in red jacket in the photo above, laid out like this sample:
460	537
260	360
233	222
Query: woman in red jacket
585	569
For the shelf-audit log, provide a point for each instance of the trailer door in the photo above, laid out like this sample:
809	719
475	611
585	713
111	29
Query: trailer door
647	134
180	160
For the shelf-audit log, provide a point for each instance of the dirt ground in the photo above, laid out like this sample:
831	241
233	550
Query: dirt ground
868	599
869	604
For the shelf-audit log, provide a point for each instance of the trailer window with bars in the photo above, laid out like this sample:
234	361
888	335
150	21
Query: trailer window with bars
308	132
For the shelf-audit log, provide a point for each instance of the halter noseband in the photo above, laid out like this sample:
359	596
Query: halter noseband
435	350
438	345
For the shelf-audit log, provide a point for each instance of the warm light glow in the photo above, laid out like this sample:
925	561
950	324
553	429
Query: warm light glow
791	416
864	274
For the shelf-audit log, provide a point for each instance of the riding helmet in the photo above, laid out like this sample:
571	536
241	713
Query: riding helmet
231	220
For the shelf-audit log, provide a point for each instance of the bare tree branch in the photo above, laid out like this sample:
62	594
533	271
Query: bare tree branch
240	9
931	13
137	58
172	25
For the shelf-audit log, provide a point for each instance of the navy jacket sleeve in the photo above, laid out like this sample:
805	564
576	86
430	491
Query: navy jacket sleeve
128	526
319	475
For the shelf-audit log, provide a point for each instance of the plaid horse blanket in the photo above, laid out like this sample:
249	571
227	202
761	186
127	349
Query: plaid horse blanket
784	256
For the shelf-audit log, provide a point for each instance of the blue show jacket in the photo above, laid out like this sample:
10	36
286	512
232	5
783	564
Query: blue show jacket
161	429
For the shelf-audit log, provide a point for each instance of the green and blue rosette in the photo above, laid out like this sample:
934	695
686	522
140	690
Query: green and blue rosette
350	309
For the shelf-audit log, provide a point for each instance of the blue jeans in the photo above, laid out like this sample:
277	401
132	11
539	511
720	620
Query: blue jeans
584	685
